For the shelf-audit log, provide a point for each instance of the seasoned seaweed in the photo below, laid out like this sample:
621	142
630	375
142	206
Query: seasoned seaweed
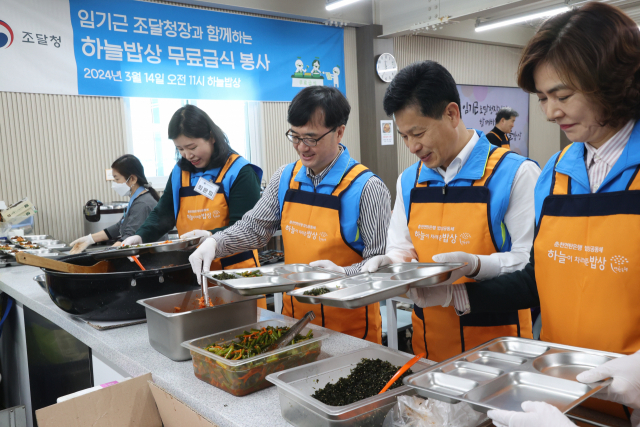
316	291
365	380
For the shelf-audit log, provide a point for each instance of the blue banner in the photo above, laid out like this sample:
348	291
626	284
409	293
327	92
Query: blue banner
138	49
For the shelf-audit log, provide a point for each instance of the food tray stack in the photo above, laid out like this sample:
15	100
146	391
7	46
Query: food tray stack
504	372
40	245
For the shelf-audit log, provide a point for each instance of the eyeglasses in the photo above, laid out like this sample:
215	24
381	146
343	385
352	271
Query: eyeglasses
309	142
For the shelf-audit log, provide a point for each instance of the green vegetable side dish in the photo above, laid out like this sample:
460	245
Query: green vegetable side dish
316	291
224	276
245	377
365	380
253	343
254	273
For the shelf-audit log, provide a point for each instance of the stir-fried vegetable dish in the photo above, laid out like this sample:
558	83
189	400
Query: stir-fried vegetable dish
253	342
245	369
254	273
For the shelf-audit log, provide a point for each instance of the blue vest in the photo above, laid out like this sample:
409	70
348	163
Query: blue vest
349	199
473	170
573	165
211	174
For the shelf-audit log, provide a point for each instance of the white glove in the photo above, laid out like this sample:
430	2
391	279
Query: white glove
327	265
202	258
373	264
431	297
625	387
471	260
133	240
536	414
203	234
81	244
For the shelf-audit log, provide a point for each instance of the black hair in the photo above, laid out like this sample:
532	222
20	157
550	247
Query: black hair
427	85
192	122
335	107
506	113
128	165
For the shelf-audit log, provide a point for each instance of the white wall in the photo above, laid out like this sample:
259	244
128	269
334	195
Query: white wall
477	64
55	149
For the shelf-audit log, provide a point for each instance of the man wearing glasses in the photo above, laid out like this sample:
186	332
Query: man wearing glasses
333	211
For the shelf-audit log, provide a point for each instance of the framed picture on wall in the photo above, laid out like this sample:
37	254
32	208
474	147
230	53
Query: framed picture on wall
480	104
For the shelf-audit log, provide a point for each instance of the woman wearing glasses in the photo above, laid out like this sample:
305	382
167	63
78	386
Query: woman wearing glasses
209	189
330	208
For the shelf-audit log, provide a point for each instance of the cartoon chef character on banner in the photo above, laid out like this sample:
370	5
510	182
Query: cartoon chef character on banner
299	67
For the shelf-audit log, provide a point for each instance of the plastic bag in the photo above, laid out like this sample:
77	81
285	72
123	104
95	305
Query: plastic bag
413	411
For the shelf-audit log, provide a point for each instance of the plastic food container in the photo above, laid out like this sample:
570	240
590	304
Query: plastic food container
246	376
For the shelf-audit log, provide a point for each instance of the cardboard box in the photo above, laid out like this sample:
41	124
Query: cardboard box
18	211
137	402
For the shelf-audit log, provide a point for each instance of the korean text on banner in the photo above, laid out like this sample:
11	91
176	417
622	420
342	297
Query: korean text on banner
140	49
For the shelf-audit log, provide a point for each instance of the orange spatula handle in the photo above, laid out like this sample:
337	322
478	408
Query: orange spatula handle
402	370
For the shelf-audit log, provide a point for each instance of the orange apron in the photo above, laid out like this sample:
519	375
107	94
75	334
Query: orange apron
311	231
198	212
504	144
450	219
587	267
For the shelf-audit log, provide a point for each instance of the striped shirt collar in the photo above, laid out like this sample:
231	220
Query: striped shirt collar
611	150
316	179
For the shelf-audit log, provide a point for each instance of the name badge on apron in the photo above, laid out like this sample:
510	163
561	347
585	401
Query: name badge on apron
207	188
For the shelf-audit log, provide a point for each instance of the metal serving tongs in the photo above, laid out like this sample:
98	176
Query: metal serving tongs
204	287
284	340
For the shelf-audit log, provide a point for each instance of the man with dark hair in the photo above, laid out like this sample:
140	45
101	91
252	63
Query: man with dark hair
334	212
465	201
505	120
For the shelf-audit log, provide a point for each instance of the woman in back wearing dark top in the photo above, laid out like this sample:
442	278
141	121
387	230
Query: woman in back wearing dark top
129	180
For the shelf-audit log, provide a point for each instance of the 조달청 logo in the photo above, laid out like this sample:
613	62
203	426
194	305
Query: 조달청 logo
6	35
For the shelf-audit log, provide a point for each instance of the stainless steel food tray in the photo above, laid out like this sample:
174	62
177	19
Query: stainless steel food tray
504	372
388	282
44	252
154	247
168	329
281	278
31	237
28	246
47	243
296	385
